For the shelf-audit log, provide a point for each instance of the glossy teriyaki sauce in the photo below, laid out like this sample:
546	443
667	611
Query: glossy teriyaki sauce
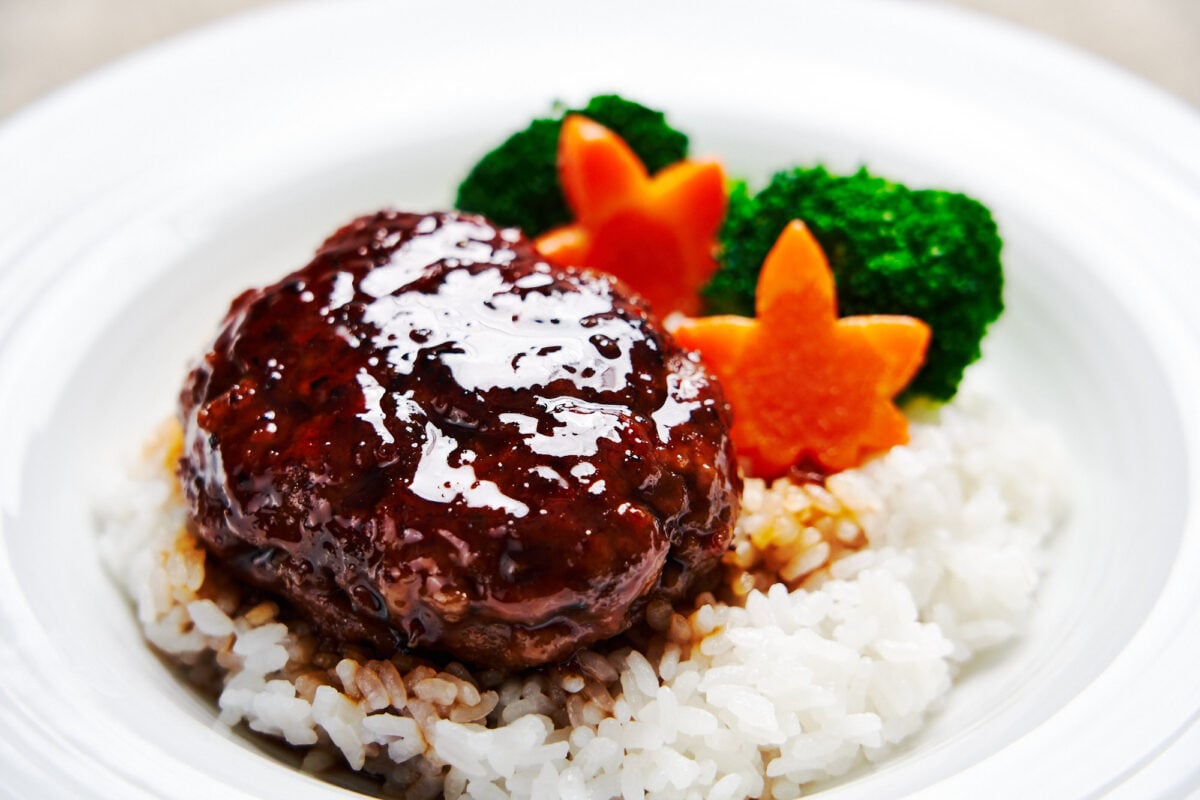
429	438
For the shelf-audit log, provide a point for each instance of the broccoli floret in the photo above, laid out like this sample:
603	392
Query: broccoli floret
925	253
517	183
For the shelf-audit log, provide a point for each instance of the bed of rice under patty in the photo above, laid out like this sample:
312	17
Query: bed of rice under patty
845	611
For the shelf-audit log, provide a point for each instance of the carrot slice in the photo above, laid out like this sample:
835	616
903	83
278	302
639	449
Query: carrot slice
808	389
658	234
720	339
598	170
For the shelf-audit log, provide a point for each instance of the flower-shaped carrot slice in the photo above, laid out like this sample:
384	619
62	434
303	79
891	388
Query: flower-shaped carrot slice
658	234
808	389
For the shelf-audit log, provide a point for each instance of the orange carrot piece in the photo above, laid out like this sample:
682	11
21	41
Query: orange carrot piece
895	334
597	169
658	234
566	245
808	389
721	339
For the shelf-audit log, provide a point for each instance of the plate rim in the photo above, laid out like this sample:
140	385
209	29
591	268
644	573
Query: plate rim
1184	124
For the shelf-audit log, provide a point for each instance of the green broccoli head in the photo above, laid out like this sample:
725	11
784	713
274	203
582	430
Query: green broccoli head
926	253
517	183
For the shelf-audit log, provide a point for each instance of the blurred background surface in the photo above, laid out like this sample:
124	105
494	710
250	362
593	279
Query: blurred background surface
46	43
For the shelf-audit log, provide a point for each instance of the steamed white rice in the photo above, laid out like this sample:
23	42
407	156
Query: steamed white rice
846	611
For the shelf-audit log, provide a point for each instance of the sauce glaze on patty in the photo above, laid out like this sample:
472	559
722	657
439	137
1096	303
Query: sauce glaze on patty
429	438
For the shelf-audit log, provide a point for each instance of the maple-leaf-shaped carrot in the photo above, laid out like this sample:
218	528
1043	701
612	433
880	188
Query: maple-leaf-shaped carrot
658	234
808	389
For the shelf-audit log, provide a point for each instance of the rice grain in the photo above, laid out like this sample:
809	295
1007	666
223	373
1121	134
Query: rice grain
843	613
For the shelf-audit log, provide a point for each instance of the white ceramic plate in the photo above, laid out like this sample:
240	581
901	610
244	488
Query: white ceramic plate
135	204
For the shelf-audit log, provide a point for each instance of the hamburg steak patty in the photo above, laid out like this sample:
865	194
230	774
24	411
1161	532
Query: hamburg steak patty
428	438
